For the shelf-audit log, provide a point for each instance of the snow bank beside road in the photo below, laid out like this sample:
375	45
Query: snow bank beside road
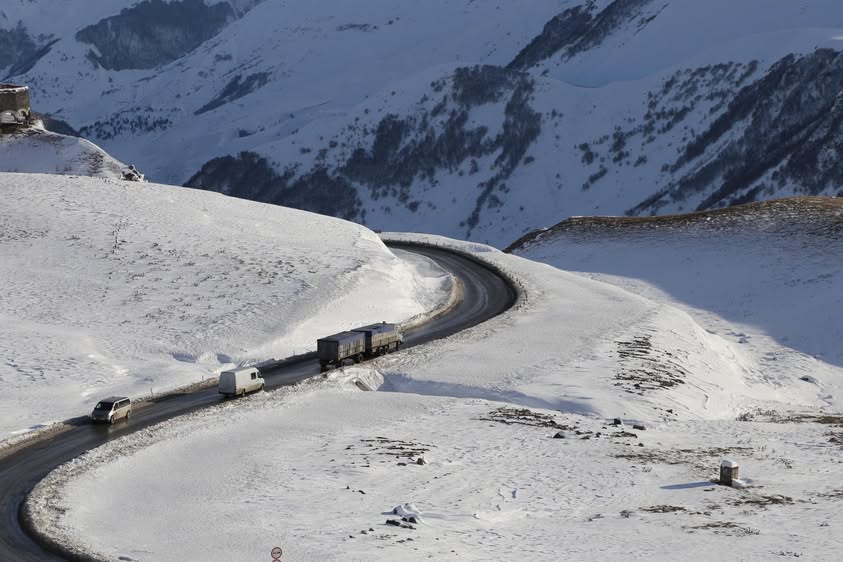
576	345
124	288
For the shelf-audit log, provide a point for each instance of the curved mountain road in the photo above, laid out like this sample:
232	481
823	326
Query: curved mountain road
486	294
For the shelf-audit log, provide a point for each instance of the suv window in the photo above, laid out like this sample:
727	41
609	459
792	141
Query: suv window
254	376
104	406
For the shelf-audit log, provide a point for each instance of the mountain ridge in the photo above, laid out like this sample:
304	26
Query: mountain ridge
495	122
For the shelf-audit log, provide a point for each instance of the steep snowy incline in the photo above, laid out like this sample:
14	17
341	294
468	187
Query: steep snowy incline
115	287
36	151
767	277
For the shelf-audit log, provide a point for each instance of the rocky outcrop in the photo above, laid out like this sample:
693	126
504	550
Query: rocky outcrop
19	51
401	151
784	131
236	88
581	28
154	33
441	139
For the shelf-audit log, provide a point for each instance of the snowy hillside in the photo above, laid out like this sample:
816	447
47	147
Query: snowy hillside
35	150
767	277
472	119
113	287
330	465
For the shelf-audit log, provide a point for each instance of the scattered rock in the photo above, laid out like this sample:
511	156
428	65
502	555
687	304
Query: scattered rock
639	427
132	174
394	522
617	421
625	434
559	435
402	464
524	416
421	461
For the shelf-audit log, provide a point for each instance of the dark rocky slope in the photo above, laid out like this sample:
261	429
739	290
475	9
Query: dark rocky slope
783	130
154	32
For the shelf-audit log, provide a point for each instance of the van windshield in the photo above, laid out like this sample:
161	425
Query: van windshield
104	406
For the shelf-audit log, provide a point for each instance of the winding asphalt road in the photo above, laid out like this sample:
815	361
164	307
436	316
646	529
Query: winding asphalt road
486	294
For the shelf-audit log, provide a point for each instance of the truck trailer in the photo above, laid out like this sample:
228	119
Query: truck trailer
335	349
358	344
381	338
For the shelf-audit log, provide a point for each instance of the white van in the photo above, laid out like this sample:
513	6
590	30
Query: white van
240	381
111	409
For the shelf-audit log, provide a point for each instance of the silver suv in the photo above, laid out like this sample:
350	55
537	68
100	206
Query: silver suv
112	409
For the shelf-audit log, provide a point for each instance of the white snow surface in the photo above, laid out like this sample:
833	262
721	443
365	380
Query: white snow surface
318	469
36	151
767	278
114	287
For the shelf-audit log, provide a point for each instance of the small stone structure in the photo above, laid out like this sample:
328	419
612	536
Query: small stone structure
15	112
729	472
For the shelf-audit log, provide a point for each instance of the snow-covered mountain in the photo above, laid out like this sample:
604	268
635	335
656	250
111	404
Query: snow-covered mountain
477	120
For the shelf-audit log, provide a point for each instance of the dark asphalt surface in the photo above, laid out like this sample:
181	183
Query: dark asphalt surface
486	295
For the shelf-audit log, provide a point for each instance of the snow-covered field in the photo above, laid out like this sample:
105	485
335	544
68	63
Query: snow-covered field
113	287
322	486
330	463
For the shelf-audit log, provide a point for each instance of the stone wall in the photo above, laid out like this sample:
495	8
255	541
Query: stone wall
14	98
